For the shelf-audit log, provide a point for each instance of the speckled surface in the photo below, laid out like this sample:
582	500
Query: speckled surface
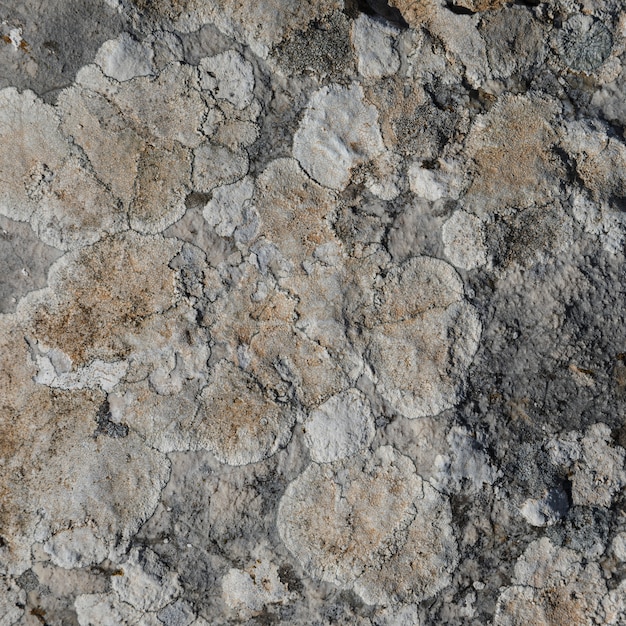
312	312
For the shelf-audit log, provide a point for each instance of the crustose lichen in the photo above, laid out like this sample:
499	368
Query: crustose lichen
584	43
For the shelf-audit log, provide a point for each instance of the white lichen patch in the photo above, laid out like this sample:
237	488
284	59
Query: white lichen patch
230	212
547	510
44	182
111	143
125	58
260	26
228	76
599	473
464	240
422	337
426	183
595	462
162	183
367	520
373	41
106	610
11	599
97	375
164	421
467	466
76	547
601	165
250	590
339	131
58	472
168	108
340	427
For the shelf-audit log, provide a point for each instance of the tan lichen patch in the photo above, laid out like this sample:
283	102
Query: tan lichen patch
415	12
108	138
481	5
238	421
33	150
254	324
259	25
75	208
163	180
511	150
282	354
170	107
137	136
100	297
601	164
553	586
349	523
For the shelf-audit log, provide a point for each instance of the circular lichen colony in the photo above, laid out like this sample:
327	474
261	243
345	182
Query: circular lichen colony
371	525
584	43
240	422
101	299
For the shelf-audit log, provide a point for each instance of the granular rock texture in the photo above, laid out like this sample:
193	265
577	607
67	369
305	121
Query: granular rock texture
312	312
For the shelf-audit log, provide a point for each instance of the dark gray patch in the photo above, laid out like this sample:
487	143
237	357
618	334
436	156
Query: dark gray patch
380	9
584	43
288	577
324	48
60	36
28	580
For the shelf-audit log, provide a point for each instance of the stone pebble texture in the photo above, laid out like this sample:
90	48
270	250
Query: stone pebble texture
312	312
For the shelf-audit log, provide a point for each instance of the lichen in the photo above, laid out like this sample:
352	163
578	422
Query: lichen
366	519
584	43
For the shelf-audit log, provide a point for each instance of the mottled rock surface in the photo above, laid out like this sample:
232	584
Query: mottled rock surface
312	312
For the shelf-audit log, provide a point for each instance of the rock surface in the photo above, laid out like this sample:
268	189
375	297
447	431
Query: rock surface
312	312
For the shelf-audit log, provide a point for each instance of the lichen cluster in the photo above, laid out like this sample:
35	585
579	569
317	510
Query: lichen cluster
312	313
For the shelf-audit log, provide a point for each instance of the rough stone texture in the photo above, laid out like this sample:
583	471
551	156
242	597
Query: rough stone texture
312	312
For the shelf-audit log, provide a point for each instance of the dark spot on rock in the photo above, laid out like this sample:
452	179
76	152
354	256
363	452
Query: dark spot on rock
106	426
288	577
196	200
28	580
459	9
376	8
